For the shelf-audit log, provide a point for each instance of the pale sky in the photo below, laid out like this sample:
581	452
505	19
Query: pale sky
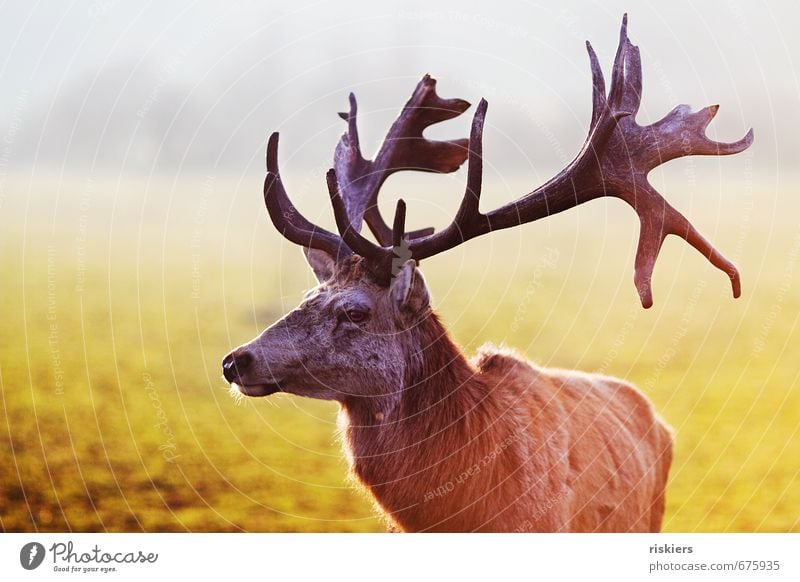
133	86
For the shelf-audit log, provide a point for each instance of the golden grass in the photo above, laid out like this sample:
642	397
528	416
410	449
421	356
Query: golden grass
118	306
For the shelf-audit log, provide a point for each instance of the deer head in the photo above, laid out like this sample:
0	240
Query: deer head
351	337
352	334
362	332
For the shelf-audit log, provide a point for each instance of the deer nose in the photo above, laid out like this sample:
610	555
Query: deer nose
235	364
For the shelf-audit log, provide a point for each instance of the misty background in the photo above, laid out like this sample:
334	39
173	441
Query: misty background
171	88
135	251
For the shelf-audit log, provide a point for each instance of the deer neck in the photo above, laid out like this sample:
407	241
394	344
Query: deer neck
442	403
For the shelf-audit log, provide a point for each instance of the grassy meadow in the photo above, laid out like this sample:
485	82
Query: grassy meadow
120	297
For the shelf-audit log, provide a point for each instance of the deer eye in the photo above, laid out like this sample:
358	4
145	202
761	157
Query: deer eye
355	315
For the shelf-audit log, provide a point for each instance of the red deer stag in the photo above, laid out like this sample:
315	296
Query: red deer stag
494	443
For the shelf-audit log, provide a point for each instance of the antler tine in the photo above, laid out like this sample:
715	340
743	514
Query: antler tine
656	223
399	227
615	160
598	87
287	219
404	148
350	235
468	222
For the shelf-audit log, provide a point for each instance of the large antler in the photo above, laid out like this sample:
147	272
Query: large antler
288	220
355	182
404	148
614	161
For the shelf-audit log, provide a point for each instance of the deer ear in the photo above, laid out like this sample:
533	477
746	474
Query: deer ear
320	262
409	288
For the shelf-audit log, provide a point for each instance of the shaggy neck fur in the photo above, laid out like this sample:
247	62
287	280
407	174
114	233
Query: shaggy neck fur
445	424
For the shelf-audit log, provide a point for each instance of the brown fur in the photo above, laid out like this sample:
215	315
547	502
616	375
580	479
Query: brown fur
447	444
501	445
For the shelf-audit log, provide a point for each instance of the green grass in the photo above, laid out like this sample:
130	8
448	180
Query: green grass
118	305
